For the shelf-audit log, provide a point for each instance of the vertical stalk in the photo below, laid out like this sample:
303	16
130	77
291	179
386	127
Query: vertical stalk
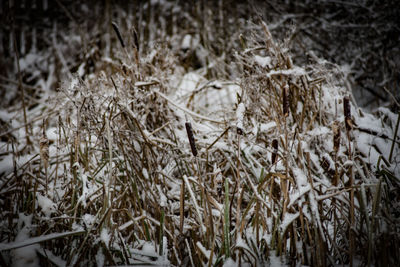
349	124
226	221
21	87
394	138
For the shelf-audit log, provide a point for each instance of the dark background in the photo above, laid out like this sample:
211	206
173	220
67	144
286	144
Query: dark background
363	34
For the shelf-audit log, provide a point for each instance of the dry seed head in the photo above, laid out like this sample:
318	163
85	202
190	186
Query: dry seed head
285	101
336	136
44	150
274	155
242	41
347	113
191	138
135	38
289	63
115	26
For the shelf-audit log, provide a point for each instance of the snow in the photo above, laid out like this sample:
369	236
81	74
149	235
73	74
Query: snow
88	220
189	42
145	173
263	61
26	241
265	127
240	243
105	236
187	86
52	134
275	261
85	189
288	219
148	249
137	147
48	207
239	115
7	165
100	258
25	256
229	262
206	253
296	71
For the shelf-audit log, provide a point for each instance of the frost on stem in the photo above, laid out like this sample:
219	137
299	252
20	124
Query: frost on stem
191	138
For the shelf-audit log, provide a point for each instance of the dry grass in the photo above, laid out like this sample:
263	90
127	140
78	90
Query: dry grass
147	188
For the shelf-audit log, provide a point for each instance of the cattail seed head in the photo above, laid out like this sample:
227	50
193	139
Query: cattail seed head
285	101
44	150
115	27
336	136
274	155
135	38
192	143
347	113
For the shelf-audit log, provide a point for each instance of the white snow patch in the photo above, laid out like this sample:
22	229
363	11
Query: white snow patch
100	258
25	256
288	219
145	174
264	127
239	115
88	220
48	207
230	263
296	71
105	236
263	61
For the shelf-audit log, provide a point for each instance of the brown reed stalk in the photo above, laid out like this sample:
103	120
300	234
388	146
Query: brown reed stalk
349	125
27	134
44	153
336	146
182	207
284	182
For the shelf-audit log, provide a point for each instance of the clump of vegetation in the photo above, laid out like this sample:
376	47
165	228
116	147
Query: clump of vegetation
142	163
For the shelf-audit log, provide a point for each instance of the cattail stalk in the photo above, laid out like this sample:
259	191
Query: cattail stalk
349	124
